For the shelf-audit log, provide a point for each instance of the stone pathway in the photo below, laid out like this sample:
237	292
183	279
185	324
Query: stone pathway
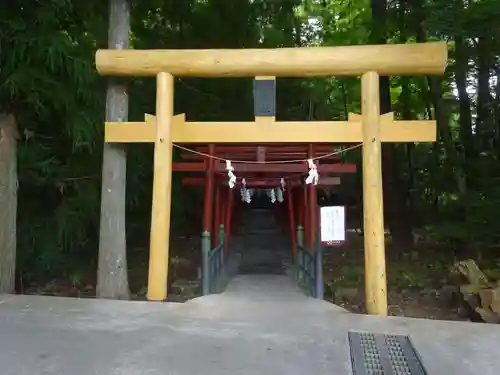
225	334
262	324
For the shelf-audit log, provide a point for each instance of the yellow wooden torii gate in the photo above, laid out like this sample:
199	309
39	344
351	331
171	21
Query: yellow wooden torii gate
370	127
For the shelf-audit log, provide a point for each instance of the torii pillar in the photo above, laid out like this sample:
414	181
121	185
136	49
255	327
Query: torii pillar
373	206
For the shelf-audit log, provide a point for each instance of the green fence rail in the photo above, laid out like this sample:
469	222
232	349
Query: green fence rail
213	262
309	266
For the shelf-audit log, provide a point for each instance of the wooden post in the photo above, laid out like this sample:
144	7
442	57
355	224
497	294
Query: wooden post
229	211
300	236
318	218
223	204
291	221
205	263
300	253
162	184
209	193
373	208
319	286
312	208
305	224
217	211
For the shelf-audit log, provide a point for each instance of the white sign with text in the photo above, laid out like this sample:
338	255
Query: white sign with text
332	223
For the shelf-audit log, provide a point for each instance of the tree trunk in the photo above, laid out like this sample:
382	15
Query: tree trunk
497	110
395	205
465	117
484	129
8	202
442	121
298	31
112	278
405	101
407	114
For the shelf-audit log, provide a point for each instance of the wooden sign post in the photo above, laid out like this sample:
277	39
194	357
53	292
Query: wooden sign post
370	127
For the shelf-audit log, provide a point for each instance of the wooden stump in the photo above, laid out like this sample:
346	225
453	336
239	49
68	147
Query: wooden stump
481	298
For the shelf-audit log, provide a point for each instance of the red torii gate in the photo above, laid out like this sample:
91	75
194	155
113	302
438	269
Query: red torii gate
261	167
289	164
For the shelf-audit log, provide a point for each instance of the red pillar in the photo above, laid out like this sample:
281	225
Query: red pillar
318	218
313	207
306	217
217	216
291	220
209	191
229	210
223	204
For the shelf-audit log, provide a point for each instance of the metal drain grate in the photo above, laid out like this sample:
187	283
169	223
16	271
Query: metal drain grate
379	354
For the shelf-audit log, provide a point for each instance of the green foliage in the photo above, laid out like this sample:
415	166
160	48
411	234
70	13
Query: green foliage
468	220
49	83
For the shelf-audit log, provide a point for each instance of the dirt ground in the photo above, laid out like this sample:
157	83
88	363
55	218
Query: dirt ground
416	281
414	304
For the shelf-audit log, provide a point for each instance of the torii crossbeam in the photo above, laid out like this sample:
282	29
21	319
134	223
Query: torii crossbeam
370	127
271	131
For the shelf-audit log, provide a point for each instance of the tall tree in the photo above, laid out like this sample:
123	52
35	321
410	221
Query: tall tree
484	128
434	94
394	200
8	202
112	277
497	108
